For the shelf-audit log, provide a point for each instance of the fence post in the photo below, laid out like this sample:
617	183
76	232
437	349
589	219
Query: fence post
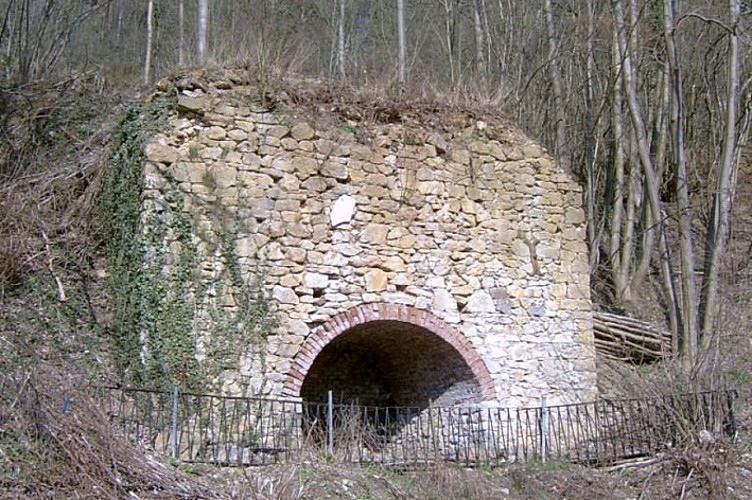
329	425
731	429
174	425
432	427
544	430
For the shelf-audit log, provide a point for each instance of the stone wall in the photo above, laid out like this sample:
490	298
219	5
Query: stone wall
465	233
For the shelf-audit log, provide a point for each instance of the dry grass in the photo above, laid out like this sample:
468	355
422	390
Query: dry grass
55	142
56	442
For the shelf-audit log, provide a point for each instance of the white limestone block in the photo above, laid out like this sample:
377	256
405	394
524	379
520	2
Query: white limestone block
342	210
481	301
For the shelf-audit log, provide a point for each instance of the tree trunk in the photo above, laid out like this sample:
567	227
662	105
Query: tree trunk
480	46
592	139
619	259
449	36
401	29
651	181
562	144
181	27
718	223
341	40
119	24
149	40
688	283
658	148
203	23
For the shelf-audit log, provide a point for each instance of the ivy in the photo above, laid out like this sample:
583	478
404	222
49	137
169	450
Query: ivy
168	302
159	294
241	330
119	220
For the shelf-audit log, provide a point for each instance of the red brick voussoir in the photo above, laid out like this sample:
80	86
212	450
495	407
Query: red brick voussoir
366	313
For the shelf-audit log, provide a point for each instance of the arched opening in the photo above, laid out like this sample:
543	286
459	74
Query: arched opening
390	363
389	354
378	359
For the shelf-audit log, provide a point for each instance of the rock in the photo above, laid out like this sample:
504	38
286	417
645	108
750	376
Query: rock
342	210
334	259
160	153
223	176
407	241
277	131
574	216
443	301
303	132
376	280
316	280
481	302
438	142
316	184
237	135
393	263
289	281
215	133
335	170
284	295
374	234
198	105
431	187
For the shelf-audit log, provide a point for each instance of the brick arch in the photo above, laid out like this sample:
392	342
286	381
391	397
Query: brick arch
322	335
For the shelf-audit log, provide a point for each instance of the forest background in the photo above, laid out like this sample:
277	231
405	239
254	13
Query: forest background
646	102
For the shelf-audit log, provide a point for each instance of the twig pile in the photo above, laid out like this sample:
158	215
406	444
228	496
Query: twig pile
56	442
627	339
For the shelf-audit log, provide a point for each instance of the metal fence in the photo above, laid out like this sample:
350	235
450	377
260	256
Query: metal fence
254	431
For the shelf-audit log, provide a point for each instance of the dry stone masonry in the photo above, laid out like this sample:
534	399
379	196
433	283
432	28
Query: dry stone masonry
407	260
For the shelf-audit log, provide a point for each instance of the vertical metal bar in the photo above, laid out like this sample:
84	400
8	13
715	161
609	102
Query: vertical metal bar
517	424
434	439
598	437
543	429
731	429
174	425
329	424
559	432
494	435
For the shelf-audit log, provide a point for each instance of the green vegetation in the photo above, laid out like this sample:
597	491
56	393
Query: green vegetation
348	128
194	151
247	327
119	216
158	293
410	140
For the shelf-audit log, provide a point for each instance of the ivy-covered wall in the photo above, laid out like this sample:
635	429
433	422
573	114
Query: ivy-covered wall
168	327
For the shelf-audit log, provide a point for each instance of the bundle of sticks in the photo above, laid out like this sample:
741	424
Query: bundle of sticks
628	339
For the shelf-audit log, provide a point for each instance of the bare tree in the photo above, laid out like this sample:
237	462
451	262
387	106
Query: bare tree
401	30
181	28
562	143
718	222
448	37
149	40
652	183
480	44
203	23
687	316
341	39
35	35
